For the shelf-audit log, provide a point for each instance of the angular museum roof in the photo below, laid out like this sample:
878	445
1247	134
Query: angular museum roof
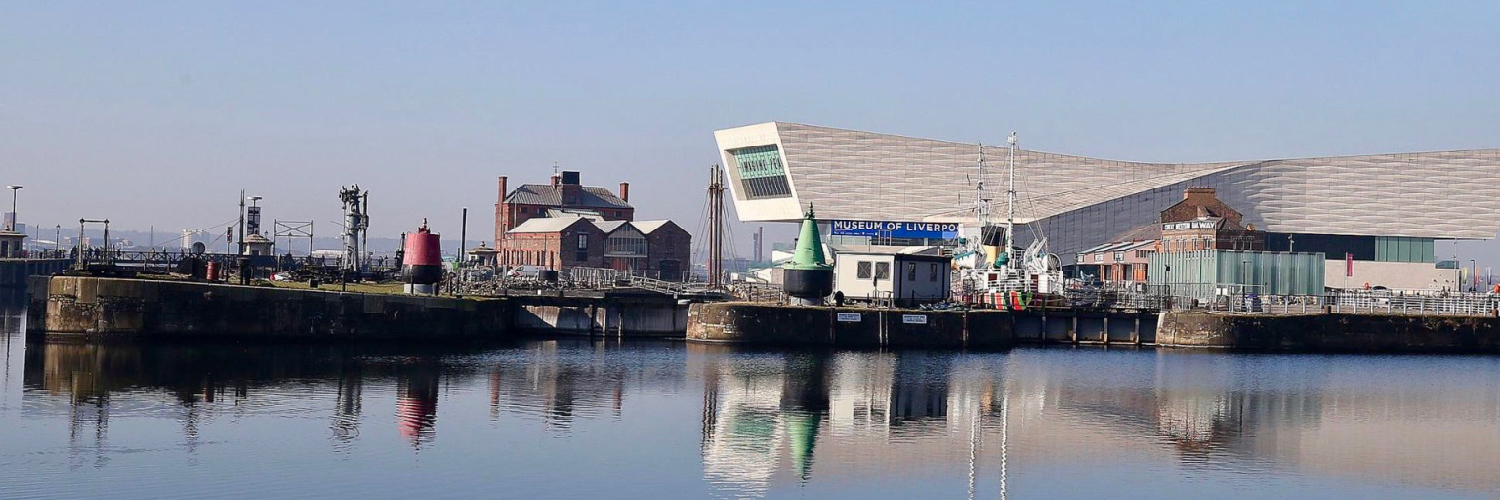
850	174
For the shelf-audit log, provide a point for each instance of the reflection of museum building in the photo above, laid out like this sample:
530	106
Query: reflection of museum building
912	413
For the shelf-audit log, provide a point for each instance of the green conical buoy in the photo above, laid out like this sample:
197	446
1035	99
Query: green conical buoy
809	254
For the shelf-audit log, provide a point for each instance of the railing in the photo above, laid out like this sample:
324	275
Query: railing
1427	304
1443	304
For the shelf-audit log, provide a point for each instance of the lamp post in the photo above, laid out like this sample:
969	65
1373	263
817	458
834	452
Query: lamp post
14	191
57	241
1458	274
1473	275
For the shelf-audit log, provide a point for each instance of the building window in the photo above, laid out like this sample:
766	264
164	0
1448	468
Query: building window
522	210
882	270
1119	256
1098	257
1403	249
862	270
625	243
934	276
583	242
911	271
761	172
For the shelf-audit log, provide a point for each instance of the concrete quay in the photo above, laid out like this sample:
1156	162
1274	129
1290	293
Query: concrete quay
1331	332
13	272
104	308
92	307
746	323
749	323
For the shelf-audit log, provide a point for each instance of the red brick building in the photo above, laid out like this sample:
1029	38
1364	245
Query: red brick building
564	197
1199	222
669	248
565	225
555	243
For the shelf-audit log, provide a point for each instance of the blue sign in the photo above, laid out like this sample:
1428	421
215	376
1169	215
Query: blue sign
890	229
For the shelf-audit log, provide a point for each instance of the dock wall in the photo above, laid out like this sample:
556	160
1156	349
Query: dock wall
1393	333
745	323
624	317
94	307
14	272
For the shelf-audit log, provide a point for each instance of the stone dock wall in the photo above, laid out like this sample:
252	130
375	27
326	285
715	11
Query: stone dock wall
97	307
628	316
1392	333
101	308
14	272
746	323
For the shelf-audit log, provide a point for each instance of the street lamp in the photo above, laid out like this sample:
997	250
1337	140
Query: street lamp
57	241
14	191
1458	275
1473	275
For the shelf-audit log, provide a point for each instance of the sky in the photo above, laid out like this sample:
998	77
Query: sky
158	113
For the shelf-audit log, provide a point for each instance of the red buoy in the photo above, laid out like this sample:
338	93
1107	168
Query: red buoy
422	261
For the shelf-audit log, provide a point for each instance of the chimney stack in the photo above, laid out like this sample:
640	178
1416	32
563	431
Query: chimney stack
625	192
556	180
503	190
1188	193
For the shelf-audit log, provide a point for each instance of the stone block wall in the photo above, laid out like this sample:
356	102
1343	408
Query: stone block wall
115	307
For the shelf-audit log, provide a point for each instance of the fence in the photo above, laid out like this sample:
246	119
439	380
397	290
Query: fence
1247	299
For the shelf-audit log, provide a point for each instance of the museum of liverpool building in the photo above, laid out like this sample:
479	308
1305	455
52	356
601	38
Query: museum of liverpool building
1384	211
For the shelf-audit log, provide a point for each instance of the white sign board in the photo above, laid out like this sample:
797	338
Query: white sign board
849	317
914	319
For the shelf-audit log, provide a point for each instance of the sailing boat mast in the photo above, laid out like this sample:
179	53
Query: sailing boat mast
1010	202
982	210
982	204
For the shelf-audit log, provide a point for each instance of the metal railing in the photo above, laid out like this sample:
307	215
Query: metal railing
1373	302
1441	304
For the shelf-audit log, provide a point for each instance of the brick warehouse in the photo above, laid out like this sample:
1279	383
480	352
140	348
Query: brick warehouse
565	225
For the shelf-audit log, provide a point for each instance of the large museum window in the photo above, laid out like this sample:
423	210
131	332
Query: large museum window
1402	249
761	171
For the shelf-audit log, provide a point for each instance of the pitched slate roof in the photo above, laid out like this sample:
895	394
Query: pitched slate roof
545	194
546	224
609	226
650	226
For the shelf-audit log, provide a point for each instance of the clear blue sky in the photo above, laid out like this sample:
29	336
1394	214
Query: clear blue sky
155	113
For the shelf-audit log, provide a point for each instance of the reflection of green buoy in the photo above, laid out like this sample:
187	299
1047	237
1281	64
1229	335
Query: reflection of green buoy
802	431
808	278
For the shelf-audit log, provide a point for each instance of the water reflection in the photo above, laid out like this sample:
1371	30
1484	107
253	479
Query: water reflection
908	413
976	424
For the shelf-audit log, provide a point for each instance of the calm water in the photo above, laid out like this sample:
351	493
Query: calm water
581	419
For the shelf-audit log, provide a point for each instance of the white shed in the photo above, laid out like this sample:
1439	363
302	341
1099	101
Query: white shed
910	276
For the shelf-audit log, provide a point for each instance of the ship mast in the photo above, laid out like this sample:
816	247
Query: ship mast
982	209
982	204
1010	201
